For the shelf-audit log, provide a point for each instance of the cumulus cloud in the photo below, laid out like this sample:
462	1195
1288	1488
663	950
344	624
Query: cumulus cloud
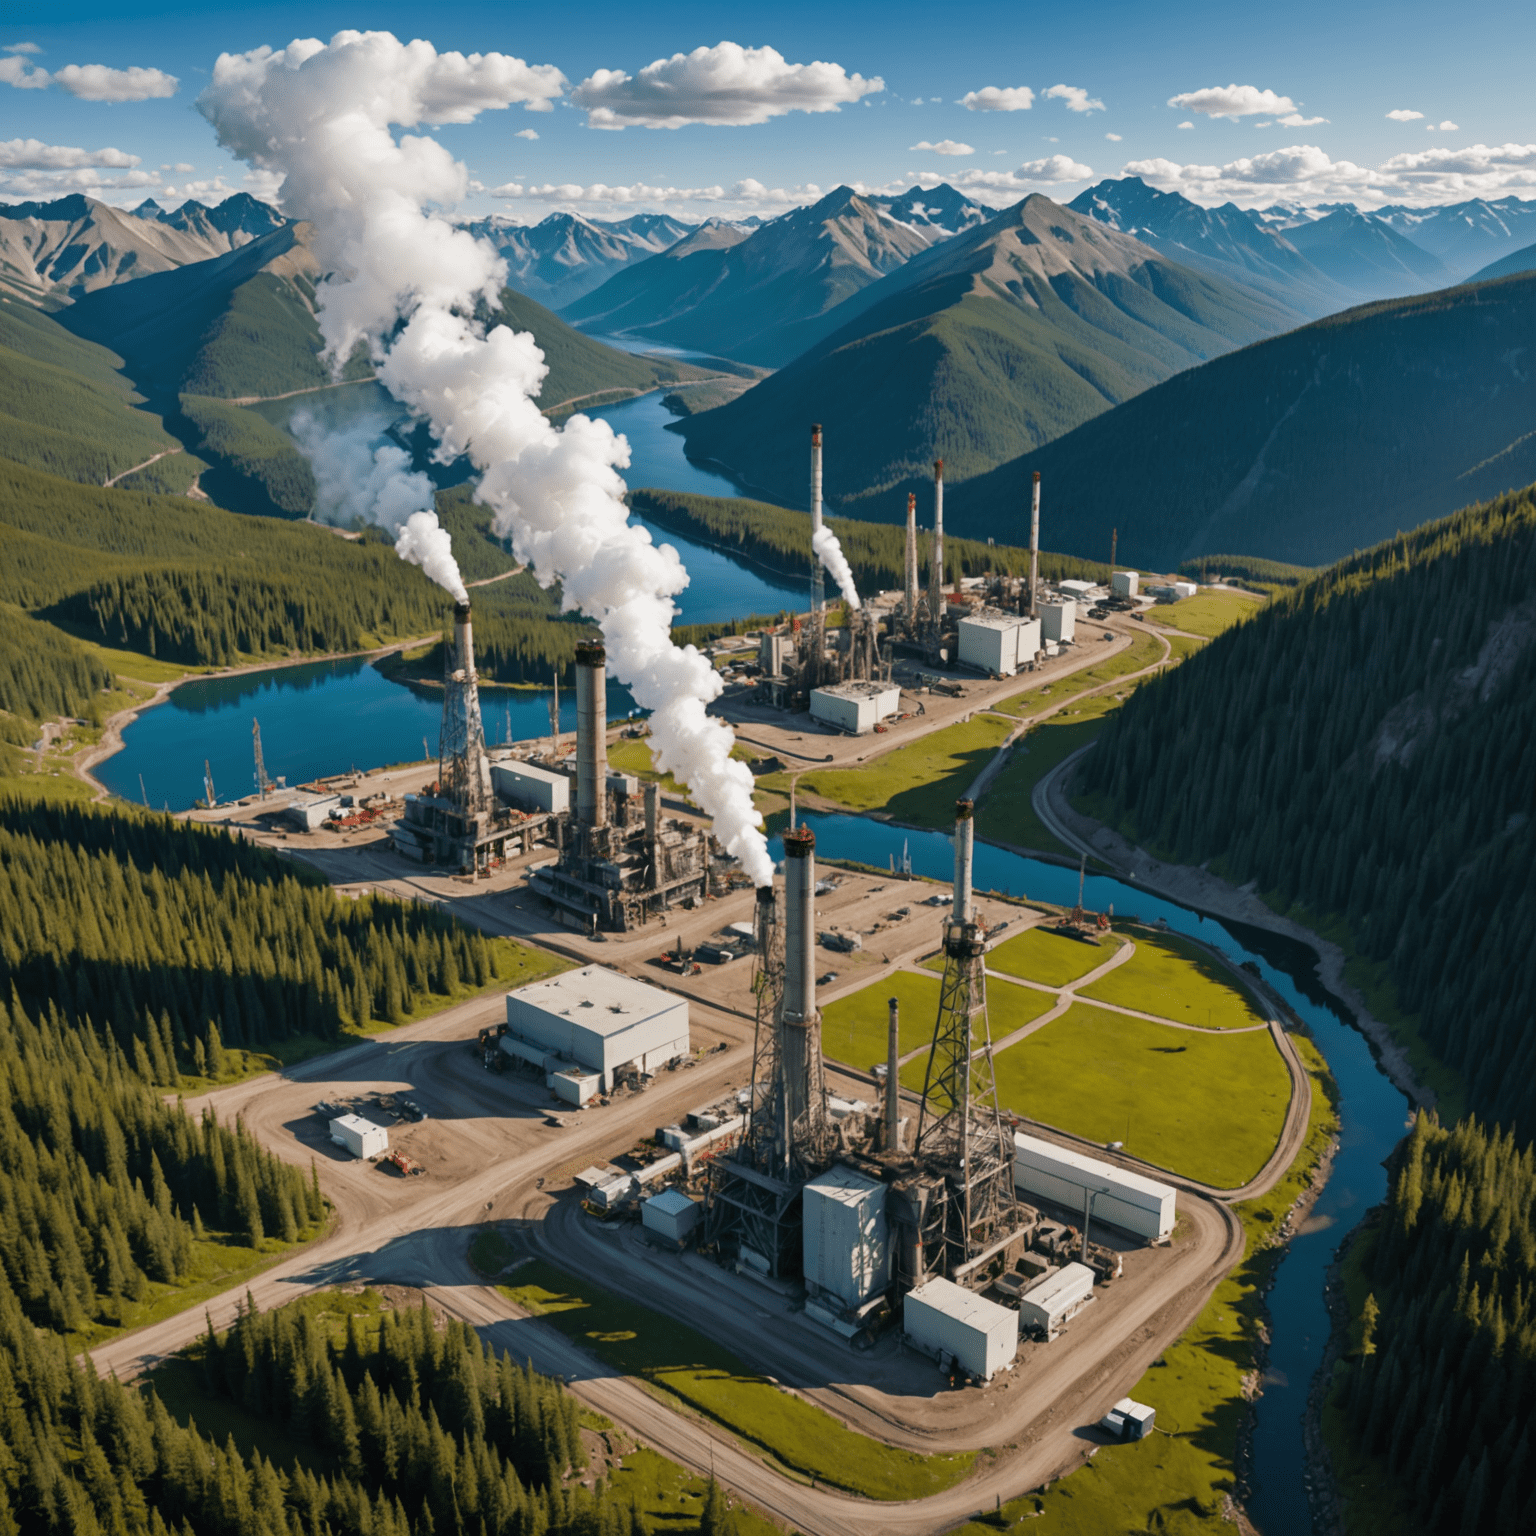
1296	120
1232	101
21	48
998	98
1404	115
526	133
1114	138
746	193
1076	98
726	85
46	185
1449	127
1186	125
943	147
24	75
34	155
100	82
1305	173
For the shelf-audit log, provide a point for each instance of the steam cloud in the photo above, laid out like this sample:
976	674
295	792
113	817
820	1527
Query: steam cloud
355	480
408	281
826	549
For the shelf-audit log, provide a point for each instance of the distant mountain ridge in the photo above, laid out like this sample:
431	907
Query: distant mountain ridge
1365	253
1012	333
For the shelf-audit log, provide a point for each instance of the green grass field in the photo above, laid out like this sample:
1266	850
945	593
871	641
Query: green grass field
1175	1482
853	1028
1206	613
712	1381
1208	1106
1142	652
1006	812
1039	955
918	783
1177	980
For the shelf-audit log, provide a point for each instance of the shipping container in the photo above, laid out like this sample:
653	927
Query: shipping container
944	1319
1056	1298
362	1138
1130	1201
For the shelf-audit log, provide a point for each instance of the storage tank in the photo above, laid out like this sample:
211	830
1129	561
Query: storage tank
945	1319
847	1243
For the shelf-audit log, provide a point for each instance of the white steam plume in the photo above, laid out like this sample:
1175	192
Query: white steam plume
826	549
407	281
353	479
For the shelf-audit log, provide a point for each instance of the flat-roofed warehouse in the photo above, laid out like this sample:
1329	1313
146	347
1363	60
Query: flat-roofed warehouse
597	1019
1130	1201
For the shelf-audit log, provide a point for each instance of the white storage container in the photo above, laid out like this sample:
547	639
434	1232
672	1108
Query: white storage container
671	1216
847	1243
1130	1201
530	787
1056	1298
362	1138
943	1318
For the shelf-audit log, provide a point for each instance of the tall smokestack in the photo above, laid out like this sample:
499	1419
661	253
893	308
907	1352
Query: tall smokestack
965	829
910	569
591	734
1114	544
1034	549
463	640
652	826
818	599
892	1095
936	573
799	968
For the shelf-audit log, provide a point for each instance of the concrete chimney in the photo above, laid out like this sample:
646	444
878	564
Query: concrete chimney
892	1090
910	569
591	734
818	600
965	830
1034	549
800	1015
652	826
463	640
936	573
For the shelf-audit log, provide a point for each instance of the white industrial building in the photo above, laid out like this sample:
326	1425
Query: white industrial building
847	1242
1055	1298
946	1320
530	787
1124	583
670	1216
998	643
1120	1198
362	1138
310	812
1080	591
587	1027
1058	621
855	707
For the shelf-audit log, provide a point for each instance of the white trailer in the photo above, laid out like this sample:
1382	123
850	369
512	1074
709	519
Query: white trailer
847	1243
946	1320
362	1138
1056	1298
1119	1198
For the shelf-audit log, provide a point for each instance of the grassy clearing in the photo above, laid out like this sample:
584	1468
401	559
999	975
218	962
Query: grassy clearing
1039	955
1006	811
853	1028
219	1262
918	783
1176	1481
1177	980
1183	645
1141	652
1206	613
711	1380
672	1500
1209	1106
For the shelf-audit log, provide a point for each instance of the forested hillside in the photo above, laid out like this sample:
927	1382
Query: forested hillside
1365	749
1442	1389
1303	448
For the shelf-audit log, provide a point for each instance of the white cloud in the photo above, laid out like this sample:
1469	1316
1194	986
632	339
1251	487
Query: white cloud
1449	127
23	75
1114	138
1054	168
726	85
1404	115
1296	120
747	193
943	147
1186	125
21	48
998	98
1076	98
99	82
182	168
526	133
34	155
1305	173
46	185
1232	101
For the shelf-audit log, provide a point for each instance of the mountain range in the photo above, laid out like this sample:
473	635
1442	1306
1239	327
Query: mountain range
1013	332
1300	448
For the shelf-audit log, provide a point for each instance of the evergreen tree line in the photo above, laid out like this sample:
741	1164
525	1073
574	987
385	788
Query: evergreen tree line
1444	1388
104	1187
180	941
82	1456
45	673
1366	748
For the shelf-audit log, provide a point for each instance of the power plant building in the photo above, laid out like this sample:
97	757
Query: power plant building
946	1320
847	1243
532	788
1058	622
1130	1201
855	707
1124	583
594	1022
998	643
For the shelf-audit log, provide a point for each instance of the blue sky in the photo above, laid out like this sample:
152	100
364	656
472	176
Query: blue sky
1462	73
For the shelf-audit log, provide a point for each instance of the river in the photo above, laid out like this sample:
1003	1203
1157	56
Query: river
1373	1116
